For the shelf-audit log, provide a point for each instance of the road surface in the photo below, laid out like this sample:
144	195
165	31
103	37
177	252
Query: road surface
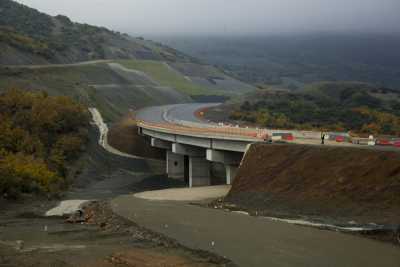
184	115
44	66
255	242
166	114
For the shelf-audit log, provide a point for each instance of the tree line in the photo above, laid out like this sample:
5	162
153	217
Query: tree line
40	135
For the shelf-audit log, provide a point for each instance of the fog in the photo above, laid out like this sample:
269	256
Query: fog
229	17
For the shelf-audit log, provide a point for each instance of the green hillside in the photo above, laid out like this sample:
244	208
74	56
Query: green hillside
336	106
167	76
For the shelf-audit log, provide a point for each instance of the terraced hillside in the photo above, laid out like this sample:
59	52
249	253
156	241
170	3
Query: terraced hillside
109	89
190	78
114	87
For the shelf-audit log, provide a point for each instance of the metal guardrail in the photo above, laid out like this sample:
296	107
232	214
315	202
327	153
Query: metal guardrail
194	129
245	134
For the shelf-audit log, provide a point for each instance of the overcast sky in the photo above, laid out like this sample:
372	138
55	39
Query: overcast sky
151	17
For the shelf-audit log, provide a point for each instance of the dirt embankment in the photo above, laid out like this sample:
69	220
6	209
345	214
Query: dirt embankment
124	136
342	184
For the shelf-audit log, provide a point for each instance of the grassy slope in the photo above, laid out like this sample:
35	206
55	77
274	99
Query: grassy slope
160	72
78	82
90	84
113	92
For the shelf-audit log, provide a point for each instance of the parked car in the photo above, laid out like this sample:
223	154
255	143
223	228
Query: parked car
383	142
282	137
340	139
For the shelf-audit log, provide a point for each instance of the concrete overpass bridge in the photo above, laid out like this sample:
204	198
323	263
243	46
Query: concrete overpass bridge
192	145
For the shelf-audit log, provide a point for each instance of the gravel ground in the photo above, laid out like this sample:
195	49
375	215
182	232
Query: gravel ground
186	194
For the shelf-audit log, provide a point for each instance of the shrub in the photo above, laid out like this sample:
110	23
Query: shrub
39	136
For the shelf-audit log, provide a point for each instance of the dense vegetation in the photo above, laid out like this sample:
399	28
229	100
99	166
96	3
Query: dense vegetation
29	36
40	136
346	106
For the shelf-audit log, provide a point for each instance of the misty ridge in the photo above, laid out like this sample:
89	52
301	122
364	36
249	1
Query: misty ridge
293	60
240	17
288	43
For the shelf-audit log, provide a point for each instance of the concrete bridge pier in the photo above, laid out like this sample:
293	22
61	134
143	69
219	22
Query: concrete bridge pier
199	172
199	169
175	165
231	171
193	163
175	162
231	160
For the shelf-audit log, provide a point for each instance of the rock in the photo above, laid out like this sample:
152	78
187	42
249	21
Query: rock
77	217
20	244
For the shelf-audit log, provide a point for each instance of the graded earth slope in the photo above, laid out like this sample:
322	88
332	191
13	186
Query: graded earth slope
341	184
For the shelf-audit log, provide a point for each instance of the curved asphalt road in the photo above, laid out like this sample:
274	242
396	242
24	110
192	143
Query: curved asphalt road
184	112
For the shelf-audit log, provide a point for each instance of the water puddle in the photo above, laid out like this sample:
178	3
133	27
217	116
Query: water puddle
353	229
373	227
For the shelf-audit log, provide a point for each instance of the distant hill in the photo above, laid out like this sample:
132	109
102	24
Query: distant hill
337	106
28	36
292	61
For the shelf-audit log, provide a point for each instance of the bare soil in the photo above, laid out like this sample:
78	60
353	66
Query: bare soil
123	136
335	183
